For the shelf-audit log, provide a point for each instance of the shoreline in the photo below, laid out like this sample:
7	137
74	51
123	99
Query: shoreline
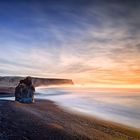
49	121
105	122
94	117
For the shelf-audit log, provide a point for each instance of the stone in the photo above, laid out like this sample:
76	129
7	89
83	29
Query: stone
24	92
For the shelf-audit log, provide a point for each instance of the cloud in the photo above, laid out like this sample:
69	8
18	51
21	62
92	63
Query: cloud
97	42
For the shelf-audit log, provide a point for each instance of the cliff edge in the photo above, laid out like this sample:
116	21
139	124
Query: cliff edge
11	81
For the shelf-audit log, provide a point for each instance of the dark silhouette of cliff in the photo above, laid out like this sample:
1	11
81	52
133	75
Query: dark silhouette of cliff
11	81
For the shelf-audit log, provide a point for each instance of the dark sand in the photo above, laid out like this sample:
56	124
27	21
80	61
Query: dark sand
44	120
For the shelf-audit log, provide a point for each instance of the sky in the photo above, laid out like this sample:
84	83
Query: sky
93	42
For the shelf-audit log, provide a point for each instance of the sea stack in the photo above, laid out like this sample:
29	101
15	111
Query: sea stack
24	92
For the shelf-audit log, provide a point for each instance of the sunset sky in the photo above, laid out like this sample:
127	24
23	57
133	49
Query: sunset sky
93	42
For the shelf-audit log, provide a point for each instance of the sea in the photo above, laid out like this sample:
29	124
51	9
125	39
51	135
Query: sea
120	106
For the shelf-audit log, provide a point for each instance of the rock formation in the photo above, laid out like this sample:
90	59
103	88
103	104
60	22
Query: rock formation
24	92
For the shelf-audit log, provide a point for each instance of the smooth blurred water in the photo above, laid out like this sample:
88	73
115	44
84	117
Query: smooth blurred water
119	106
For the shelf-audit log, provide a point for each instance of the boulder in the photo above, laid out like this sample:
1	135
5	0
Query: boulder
24	92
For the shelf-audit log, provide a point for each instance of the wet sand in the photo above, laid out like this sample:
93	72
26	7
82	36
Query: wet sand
44	120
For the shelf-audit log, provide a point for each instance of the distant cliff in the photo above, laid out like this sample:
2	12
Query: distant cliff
9	81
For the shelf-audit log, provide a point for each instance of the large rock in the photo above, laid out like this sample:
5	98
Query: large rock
24	92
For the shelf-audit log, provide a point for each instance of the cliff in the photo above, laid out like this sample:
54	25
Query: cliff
9	81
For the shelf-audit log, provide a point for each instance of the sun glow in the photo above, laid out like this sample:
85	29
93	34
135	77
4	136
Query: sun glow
95	86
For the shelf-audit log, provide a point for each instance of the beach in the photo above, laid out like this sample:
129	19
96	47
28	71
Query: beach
116	105
69	70
44	119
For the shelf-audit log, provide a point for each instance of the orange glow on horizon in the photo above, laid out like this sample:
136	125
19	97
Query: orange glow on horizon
95	86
